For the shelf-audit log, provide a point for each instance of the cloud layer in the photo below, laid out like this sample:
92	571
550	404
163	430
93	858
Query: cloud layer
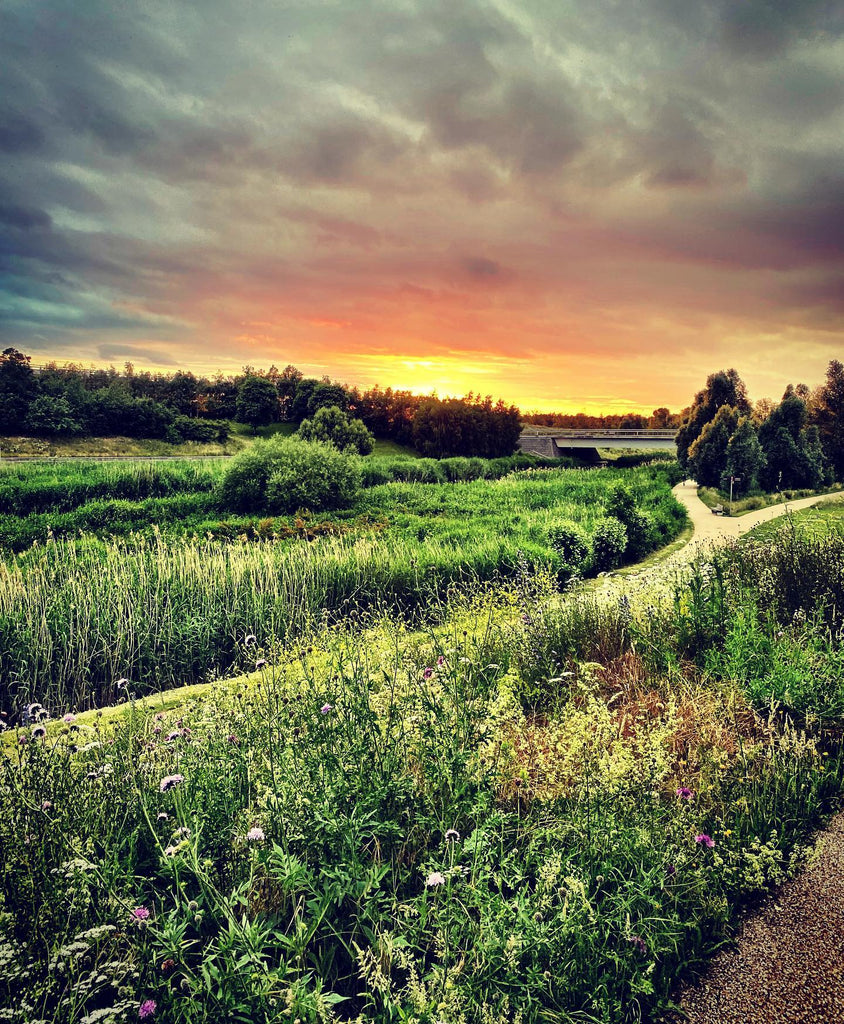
569	203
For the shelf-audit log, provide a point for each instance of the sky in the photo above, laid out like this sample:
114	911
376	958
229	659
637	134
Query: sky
572	204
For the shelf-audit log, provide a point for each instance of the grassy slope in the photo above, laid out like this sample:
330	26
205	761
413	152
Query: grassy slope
813	522
710	496
87	447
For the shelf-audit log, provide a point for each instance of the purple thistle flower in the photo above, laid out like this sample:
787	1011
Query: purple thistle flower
261	663
46	805
685	793
326	708
69	718
434	879
441	661
639	943
140	914
428	672
39	732
255	835
147	1009
705	840
250	639
452	835
169	781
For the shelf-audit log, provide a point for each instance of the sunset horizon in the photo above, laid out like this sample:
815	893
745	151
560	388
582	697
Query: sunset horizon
571	208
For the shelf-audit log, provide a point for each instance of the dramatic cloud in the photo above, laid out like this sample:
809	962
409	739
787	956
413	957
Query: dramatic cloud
569	204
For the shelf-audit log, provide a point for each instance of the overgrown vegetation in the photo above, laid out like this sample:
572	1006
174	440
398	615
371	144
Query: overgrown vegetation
166	608
537	811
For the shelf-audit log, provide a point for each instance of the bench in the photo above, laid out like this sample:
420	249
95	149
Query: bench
718	510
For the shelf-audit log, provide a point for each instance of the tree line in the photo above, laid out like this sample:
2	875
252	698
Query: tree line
659	419
72	400
795	443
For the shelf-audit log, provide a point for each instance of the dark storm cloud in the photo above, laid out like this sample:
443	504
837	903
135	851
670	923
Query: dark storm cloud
23	218
188	168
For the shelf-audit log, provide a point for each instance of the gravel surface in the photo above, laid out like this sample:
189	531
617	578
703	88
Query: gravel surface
788	966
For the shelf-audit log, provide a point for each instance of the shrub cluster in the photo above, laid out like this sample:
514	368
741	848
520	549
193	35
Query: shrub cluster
284	474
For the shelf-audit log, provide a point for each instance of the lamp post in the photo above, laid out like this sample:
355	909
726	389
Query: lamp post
736	479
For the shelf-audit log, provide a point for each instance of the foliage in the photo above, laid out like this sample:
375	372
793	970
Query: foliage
573	548
829	416
744	459
639	528
17	388
311	475
257	401
465	427
724	388
707	455
793	454
377	829
283	474
332	425
52	417
609	542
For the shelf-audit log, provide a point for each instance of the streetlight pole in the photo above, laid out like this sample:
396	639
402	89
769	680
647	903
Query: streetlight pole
732	478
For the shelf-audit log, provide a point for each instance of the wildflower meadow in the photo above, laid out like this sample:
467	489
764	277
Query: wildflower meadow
541	803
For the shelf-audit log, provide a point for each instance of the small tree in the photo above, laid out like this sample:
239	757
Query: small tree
50	416
707	455
257	401
744	460
336	427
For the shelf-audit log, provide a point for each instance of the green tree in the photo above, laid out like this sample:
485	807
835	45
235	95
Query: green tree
829	416
336	427
793	453
326	394
722	388
52	416
744	459
18	387
707	455
257	401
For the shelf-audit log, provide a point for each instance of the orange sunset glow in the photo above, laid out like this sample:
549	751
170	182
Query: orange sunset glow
573	207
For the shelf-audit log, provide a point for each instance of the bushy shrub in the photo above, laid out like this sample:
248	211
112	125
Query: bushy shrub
191	429
570	543
287	473
622	506
334	426
244	483
313	475
609	543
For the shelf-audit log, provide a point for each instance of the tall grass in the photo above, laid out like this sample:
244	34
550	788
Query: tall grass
62	487
77	615
385	830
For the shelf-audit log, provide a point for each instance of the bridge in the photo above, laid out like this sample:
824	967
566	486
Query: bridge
560	442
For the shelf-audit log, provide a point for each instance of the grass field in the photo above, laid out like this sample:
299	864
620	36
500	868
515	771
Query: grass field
532	811
165	606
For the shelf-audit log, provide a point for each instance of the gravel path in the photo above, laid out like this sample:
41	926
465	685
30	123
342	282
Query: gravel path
788	967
